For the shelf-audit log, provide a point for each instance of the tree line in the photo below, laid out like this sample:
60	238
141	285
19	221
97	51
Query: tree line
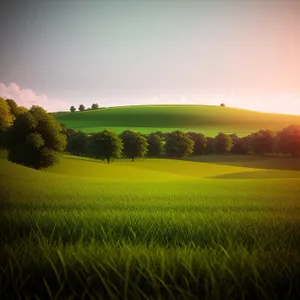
34	138
179	144
82	107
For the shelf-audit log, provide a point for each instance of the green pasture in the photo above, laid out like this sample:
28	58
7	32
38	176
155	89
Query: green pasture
151	229
209	120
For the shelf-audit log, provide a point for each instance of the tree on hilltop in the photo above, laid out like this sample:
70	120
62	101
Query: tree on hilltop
135	144
106	145
95	106
72	108
81	107
35	139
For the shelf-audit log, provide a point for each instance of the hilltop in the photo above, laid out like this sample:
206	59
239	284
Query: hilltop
209	120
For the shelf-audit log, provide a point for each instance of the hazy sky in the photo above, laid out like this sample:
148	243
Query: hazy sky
243	53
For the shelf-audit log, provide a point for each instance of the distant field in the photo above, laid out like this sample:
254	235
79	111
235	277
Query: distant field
209	120
151	229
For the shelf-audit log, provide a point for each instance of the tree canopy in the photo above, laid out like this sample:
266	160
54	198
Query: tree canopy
35	139
81	107
199	142
262	142
155	144
178	144
106	145
222	143
78	143
72	108
95	106
289	140
135	144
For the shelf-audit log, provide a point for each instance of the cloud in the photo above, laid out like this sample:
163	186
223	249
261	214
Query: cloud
27	97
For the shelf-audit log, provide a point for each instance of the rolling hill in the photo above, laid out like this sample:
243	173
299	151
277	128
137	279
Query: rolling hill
209	120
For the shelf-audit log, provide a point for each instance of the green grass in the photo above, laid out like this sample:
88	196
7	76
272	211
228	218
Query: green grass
209	120
151	229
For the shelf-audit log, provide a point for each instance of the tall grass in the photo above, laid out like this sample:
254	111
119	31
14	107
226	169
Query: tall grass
75	237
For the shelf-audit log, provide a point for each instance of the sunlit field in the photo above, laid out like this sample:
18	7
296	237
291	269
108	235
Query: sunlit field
212	228
209	120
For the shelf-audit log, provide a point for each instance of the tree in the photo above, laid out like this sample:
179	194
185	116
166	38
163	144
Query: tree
15	110
106	145
78	143
135	145
222	104
6	120
95	106
289	140
178	144
35	139
199	142
155	144
209	145
81	107
240	145
222	143
73	109
262	142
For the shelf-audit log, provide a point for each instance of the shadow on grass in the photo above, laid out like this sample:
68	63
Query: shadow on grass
268	174
251	161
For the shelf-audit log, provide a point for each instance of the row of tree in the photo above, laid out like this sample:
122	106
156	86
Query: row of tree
82	107
179	144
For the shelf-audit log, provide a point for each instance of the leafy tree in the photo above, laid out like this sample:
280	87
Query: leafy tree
13	107
106	145
178	144
262	142
289	140
135	145
73	109
15	110
222	143
6	120
155	144
81	107
35	139
78	143
209	145
222	104
240	145
199	142
95	106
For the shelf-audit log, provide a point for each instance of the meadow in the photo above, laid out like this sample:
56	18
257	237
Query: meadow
209	120
152	229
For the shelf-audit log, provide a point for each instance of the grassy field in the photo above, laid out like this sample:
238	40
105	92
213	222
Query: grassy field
209	120
151	229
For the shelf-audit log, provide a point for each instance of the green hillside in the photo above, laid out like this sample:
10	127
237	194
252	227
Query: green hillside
209	120
151	229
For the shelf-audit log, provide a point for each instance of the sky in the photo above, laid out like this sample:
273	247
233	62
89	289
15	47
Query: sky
240	52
